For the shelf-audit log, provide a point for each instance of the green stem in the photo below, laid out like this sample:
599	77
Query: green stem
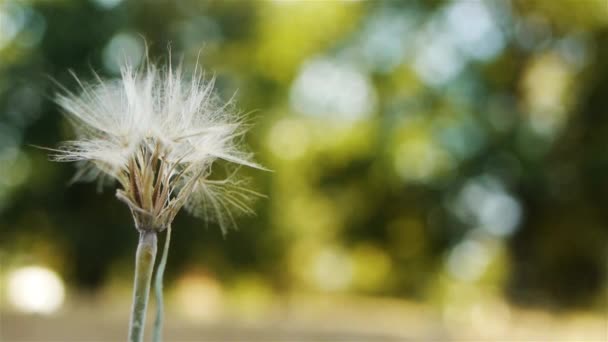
158	289
144	265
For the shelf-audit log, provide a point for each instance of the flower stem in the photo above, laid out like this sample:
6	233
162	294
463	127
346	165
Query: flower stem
158	289
144	264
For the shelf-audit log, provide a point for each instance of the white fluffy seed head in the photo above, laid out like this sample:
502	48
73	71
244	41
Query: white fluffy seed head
158	134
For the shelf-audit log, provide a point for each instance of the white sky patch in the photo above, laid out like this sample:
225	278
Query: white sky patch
327	88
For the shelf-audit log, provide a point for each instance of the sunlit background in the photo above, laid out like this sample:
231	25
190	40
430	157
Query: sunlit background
440	172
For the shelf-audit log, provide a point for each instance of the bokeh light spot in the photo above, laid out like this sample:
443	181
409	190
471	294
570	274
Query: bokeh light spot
12	21
546	87
382	44
35	289
468	260
288	139
198	296
107	4
483	203
332	269
474	29
418	157
437	60
326	88
123	47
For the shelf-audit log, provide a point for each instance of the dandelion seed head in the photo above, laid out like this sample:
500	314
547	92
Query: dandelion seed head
158	134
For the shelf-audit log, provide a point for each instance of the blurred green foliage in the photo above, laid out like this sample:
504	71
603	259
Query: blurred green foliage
410	141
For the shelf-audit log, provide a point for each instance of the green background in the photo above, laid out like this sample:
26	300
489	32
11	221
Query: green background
416	147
